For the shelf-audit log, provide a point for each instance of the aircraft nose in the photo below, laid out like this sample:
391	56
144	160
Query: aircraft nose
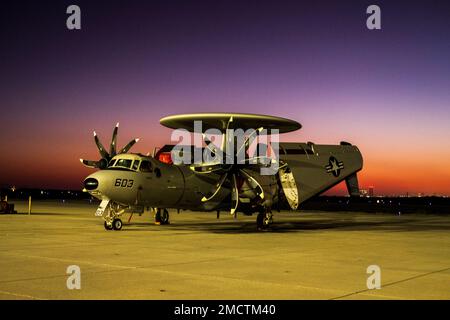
90	184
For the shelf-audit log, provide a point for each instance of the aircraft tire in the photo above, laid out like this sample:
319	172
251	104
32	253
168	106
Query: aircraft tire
165	216
158	216
108	226
117	224
260	221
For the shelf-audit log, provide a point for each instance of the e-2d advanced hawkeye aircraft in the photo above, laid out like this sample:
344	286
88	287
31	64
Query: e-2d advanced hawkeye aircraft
129	182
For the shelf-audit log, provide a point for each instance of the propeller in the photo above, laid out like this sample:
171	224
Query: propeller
105	155
235	171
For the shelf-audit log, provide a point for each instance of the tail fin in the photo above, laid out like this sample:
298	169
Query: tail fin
352	185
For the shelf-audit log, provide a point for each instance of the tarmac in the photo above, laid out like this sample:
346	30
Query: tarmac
306	255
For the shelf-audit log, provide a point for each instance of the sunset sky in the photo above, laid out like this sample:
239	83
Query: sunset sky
386	91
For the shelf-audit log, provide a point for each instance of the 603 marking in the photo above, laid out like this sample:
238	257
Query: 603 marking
124	183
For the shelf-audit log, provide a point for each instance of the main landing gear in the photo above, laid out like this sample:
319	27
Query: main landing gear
264	220
162	216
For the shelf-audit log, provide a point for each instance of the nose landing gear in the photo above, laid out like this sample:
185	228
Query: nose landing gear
112	221
115	225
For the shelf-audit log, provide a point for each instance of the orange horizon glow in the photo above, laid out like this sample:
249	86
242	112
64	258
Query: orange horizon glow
56	164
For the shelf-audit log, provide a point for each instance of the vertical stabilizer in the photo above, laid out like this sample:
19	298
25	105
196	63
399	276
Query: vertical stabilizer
352	185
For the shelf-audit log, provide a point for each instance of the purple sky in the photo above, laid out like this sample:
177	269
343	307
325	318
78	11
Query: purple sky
386	91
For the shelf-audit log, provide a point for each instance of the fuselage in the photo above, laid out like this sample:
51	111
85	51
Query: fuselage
137	180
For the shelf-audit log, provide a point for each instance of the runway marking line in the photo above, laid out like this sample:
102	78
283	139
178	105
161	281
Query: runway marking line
392	283
21	295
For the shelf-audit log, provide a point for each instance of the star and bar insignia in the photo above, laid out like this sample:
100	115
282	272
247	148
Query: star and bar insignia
334	166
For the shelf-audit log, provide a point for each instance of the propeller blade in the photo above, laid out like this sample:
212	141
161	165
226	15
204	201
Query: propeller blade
253	183
211	147
128	146
283	164
234	196
225	136
101	148
206	167
264	160
229	122
90	163
112	148
218	187
247	139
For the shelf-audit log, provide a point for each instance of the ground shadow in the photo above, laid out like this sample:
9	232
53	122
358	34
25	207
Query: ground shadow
402	224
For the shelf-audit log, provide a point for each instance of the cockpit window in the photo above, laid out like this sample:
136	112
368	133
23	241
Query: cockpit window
111	163
136	164
124	163
146	166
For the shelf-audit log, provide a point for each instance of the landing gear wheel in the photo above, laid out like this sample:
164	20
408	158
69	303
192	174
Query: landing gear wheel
165	217
260	221
162	216
108	226
264	220
117	224
158	217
